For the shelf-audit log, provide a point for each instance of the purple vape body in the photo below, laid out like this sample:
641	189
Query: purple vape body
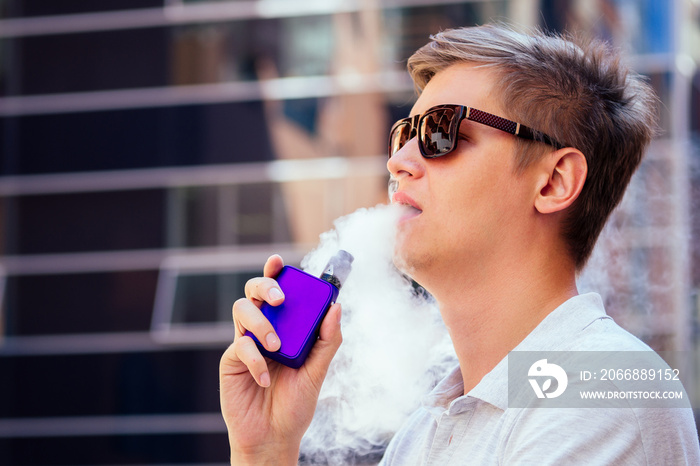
306	301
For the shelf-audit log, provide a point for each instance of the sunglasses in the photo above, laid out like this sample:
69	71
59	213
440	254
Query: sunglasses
438	129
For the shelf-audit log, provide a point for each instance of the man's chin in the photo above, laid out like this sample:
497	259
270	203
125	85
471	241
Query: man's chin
404	259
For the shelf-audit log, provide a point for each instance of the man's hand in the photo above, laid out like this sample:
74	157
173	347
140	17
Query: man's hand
267	406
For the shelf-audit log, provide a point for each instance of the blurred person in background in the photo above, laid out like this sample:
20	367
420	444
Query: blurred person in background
515	154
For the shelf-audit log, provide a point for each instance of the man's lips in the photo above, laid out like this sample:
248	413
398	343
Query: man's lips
402	199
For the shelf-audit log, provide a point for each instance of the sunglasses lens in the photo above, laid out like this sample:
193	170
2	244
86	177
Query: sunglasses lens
438	130
400	135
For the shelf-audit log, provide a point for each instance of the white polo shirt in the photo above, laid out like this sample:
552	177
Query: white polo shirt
479	428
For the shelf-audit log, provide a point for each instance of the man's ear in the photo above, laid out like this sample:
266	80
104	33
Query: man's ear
563	173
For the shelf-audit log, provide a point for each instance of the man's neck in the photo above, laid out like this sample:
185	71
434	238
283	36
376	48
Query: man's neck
487	318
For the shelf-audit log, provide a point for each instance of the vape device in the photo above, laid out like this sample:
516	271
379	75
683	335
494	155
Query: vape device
306	301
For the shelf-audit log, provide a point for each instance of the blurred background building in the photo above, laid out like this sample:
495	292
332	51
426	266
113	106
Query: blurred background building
155	152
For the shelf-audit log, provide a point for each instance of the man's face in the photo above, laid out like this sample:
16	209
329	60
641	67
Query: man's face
468	206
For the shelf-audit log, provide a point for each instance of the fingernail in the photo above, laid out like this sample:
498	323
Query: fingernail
275	294
265	379
272	340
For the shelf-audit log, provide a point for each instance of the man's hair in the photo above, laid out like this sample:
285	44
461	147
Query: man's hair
576	91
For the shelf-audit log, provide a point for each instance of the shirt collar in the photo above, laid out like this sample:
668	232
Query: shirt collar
555	330
446	393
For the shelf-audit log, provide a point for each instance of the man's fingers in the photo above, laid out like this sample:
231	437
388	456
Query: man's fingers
264	289
247	316
273	266
246	351
330	338
330	327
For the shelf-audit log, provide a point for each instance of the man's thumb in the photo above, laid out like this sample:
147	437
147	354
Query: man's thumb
330	338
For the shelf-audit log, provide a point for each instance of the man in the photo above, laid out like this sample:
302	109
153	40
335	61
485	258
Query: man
516	151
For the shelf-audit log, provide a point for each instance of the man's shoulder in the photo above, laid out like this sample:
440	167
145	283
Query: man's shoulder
602	436
604	334
622	435
581	324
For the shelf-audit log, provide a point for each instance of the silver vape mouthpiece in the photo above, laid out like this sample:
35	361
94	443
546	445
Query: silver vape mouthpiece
338	268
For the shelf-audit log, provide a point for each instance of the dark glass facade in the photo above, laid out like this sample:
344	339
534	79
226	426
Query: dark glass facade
89	268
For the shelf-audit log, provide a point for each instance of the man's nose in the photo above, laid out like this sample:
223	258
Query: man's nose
407	161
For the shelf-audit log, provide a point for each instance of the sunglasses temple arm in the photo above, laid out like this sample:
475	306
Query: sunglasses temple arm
527	133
